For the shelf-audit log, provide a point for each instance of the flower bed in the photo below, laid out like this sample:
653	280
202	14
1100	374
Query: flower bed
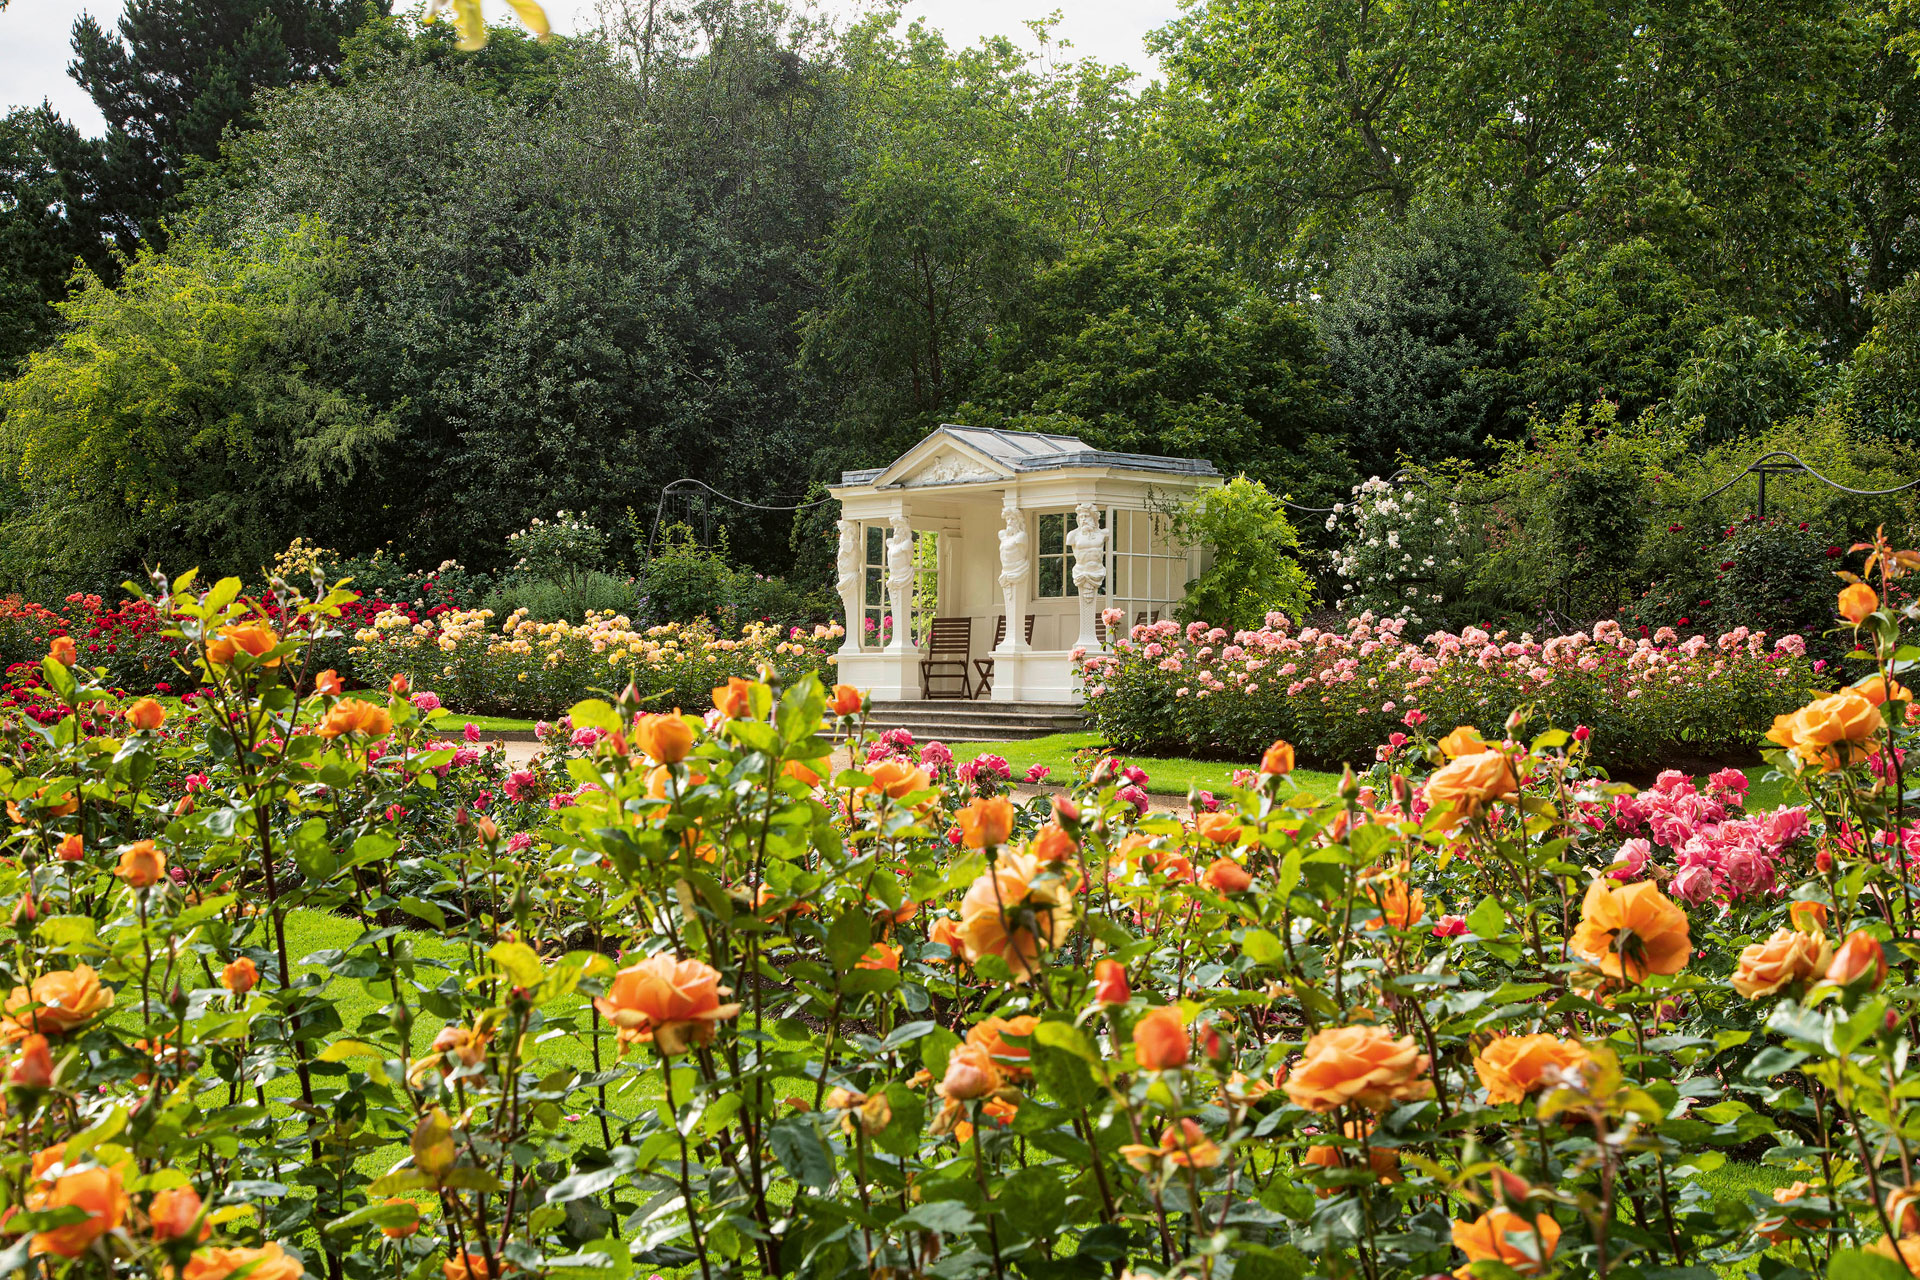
1338	695
676	995
530	668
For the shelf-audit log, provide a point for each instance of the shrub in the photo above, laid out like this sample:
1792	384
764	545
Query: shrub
1403	550
547	600
1251	573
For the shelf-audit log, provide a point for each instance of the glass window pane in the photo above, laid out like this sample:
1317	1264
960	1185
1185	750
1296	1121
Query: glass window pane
1050	585
1053	535
875	590
876	544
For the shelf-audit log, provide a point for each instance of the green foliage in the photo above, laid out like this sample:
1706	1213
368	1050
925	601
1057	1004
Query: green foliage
1251	573
179	416
1743	377
572	598
1412	324
1146	341
1885	375
684	580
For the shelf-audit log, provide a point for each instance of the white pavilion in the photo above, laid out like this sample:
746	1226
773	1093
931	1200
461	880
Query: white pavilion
973	526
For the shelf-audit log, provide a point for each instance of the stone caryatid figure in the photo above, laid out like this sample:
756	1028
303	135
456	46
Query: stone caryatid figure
1088	542
851	596
1015	564
900	582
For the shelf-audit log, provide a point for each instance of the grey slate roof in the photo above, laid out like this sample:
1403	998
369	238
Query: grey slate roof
1025	451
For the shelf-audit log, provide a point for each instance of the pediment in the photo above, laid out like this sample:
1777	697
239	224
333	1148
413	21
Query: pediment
938	460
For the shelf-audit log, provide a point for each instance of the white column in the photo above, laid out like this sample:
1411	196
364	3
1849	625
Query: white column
900	583
1016	565
1088	542
852	567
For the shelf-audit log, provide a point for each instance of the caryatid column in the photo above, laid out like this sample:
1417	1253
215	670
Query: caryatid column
900	583
1088	542
852	594
1015	565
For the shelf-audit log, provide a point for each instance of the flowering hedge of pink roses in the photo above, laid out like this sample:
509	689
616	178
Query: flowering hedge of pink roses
1340	694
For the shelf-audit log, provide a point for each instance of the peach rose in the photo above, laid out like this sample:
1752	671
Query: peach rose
241	976
468	1266
67	998
946	931
356	715
1185	1144
328	682
1857	600
1876	690
1051	843
1160	1040
670	1003
1631	931
250	638
1278	758
147	715
72	848
1905	1251
986	821
995	914
971	1073
141	864
1110	982
667	738
61	650
96	1190
990	1034
1776	1230
1224	875
1859	956
1514	1066
846	700
1384	1161
800	773
880	956
1464	788
1501	1235
1221	828
32	1068
405	1229
1789	956
174	1213
1463	741
1831	732
1399	906
1363	1064
897	778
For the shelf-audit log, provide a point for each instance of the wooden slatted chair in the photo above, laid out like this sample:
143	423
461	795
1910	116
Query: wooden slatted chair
948	657
984	666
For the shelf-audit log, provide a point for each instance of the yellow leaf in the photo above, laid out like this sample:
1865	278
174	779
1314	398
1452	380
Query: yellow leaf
533	16
470	23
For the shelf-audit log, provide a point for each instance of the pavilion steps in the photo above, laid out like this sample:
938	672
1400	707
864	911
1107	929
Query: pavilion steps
959	720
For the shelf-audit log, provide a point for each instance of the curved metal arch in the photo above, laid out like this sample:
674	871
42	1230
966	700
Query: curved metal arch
1763	466
660	507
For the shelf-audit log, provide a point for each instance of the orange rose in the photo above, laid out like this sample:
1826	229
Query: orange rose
405	1229
1501	1235
990	1034
61	650
33	1067
72	849
1278	758
1384	1161
985	822
329	683
1399	906
734	699
846	700
1363	1064
1859	956
994	914
96	1190
250	638
1832	731
141	864
1186	1144
1631	931
666	738
146	715
1224	875
1463	741
670	1003
1110	982
1464	788
1857	600
1776	1230
946	931
1876	690
1221	828
1789	956
355	715
1051	843
1808	917
174	1213
800	773
399	685
468	1266
1905	1251
1160	1040
241	976
1514	1066
269	1262
897	778
880	956
971	1073
67	998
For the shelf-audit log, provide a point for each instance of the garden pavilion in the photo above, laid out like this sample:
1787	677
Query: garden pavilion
972	526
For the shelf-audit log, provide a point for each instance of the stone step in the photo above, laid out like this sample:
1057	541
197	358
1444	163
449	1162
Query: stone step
953	719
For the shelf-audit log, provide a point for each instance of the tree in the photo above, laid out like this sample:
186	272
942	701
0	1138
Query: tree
1148	342
1251	573
52	215
179	420
1412	325
1743	377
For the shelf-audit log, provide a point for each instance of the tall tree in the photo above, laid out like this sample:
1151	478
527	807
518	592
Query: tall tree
52	216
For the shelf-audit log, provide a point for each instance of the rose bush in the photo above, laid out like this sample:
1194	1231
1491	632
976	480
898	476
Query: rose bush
684	992
1339	695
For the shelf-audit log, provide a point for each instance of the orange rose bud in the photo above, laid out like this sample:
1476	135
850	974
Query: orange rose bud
1224	875
174	1212
405	1229
846	700
1110	982
329	683
1278	758
32	1067
1160	1040
146	715
142	864
1221	828
72	848
240	976
61	650
985	822
880	956
1857	600
734	699
1051	843
398	686
1859	958
666	738
1808	917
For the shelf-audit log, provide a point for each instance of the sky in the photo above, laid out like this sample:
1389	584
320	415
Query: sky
34	48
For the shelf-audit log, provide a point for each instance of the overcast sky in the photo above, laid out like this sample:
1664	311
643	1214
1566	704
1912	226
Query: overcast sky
34	46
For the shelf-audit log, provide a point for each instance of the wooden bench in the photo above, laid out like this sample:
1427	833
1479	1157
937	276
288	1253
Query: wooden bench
984	666
948	657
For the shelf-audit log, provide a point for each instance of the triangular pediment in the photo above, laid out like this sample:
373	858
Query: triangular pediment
942	459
